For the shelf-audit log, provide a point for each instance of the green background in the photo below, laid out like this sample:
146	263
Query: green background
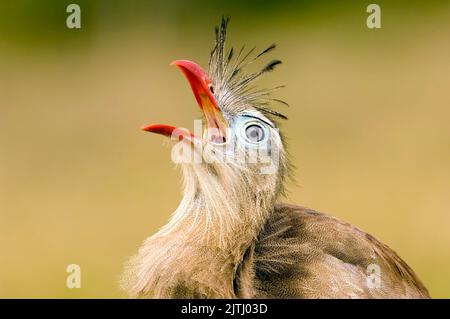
368	126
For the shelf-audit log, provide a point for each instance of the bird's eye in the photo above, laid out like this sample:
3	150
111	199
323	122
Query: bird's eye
254	133
211	88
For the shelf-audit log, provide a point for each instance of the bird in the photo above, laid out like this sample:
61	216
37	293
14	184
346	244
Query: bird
232	236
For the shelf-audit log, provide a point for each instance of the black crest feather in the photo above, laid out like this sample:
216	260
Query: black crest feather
270	48
271	65
231	80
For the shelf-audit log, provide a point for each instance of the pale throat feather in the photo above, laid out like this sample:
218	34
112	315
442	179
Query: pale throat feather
223	209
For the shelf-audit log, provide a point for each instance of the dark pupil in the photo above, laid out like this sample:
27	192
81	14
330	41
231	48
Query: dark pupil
254	133
211	89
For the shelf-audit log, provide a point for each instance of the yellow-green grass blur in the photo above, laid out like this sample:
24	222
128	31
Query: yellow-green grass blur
368	128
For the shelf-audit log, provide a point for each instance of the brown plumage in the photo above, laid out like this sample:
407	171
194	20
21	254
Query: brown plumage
231	237
305	254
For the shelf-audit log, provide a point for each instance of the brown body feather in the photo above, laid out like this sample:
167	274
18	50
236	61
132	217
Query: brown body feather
301	253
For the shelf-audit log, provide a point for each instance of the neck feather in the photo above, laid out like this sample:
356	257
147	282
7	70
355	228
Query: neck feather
198	252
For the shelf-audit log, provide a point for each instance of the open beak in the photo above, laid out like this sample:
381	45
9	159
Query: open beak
203	92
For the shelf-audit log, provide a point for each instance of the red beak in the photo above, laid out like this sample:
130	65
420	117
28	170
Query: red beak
203	92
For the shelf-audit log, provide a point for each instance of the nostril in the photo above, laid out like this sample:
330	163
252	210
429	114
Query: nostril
218	139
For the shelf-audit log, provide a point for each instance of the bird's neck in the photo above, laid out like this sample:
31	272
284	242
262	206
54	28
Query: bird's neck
205	241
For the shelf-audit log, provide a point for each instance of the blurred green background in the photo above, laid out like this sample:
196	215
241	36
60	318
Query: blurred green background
79	183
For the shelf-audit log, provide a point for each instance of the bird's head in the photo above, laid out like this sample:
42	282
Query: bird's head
239	151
